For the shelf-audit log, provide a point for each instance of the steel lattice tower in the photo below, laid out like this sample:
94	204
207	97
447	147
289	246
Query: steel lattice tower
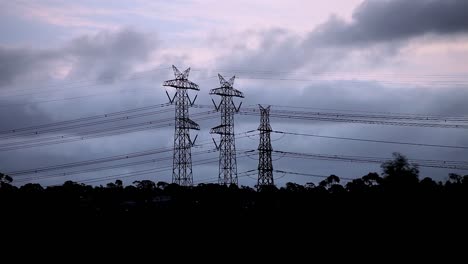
265	164
227	145
182	160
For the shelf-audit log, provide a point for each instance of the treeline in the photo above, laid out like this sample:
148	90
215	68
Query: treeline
398	189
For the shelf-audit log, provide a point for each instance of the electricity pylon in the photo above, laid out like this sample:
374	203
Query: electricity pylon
182	159
265	164
227	145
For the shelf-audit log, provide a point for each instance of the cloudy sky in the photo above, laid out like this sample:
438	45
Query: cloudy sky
62	60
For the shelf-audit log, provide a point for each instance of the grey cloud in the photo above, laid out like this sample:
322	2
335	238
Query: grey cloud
394	20
24	65
107	55
376	34
278	50
91	57
366	96
102	56
343	95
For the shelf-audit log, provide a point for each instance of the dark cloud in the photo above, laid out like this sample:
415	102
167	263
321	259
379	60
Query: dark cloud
108	55
100	57
279	50
366	96
103	56
394	20
24	65
377	32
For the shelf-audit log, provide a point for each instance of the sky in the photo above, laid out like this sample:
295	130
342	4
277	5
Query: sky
62	60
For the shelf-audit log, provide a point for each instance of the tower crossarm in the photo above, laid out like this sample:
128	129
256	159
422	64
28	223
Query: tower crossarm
188	124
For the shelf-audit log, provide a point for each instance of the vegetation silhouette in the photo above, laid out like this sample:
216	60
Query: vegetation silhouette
397	194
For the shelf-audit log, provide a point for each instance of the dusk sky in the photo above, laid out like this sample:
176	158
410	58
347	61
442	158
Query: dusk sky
61	60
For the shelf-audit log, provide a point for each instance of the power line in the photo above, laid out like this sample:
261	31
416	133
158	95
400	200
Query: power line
215	180
391	79
104	159
276	72
86	133
379	116
379	159
360	121
149	125
371	140
311	175
195	163
89	162
67	98
371	112
387	82
133	174
88	118
87	83
366	116
101	121
64	174
143	162
457	165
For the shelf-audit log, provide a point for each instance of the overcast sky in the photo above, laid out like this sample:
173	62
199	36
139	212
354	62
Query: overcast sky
61	60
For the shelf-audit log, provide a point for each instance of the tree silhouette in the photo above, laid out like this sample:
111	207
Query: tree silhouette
330	181
32	188
397	192
429	186
294	187
372	179
399	173
455	178
357	186
5	181
162	185
309	185
117	185
145	185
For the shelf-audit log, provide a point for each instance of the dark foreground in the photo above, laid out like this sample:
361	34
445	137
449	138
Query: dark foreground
372	204
166	202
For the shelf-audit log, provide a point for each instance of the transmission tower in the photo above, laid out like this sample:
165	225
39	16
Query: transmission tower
227	145
182	160
265	164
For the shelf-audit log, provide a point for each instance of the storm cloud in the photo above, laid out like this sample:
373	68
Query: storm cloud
97	58
23	64
377	32
101	56
393	20
107	55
